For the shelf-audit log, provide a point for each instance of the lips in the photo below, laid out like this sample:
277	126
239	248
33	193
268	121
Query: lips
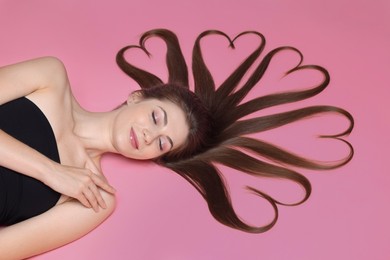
133	139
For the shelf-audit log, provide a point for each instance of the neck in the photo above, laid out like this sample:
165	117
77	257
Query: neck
94	131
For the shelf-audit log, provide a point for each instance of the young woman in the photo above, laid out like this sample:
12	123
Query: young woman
51	146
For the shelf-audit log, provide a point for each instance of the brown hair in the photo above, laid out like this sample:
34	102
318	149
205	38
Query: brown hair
222	131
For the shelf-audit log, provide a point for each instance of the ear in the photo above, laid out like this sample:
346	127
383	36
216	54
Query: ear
135	97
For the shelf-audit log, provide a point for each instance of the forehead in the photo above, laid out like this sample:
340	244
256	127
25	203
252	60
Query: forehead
167	105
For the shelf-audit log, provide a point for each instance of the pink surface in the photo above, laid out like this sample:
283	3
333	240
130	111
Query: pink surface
159	215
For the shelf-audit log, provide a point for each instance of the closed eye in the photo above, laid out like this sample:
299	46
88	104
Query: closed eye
165	143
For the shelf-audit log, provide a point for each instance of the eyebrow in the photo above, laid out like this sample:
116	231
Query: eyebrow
165	123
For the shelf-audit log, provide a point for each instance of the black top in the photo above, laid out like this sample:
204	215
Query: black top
22	197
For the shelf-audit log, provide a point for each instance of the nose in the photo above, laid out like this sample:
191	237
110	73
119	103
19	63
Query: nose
149	136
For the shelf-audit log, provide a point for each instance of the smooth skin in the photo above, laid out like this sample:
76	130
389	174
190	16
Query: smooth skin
82	138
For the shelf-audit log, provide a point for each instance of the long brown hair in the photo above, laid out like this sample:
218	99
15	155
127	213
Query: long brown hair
226	142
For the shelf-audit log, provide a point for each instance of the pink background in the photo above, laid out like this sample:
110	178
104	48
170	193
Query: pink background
159	215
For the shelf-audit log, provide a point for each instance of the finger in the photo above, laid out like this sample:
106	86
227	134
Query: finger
102	184
84	201
98	196
91	199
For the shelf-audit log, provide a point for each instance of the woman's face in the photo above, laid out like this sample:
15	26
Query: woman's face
148	128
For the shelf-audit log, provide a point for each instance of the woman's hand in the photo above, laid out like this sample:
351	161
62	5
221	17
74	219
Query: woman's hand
79	183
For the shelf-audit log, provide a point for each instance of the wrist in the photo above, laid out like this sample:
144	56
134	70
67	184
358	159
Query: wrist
46	171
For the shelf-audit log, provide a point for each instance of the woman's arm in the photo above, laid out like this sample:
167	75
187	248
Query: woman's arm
60	225
40	75
19	80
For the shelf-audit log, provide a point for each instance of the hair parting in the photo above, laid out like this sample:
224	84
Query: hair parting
218	130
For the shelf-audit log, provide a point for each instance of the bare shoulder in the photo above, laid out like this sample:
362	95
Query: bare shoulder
31	76
56	69
52	73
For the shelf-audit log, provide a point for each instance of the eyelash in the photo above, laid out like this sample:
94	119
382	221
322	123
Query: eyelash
159	139
154	118
160	144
